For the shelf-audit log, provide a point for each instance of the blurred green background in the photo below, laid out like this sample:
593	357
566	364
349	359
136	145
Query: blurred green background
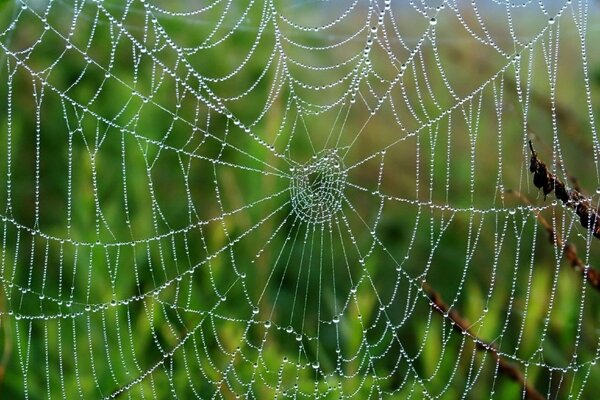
120	262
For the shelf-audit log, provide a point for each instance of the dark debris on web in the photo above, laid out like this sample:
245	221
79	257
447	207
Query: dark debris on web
548	182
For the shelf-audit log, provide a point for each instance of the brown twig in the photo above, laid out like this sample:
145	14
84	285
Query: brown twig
592	275
461	325
547	181
571	178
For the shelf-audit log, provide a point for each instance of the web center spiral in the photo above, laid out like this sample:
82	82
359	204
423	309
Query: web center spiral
317	187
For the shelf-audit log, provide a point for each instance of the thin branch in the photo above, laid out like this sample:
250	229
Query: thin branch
505	367
548	182
592	275
574	181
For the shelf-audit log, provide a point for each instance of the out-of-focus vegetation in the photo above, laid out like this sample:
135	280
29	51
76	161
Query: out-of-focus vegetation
119	179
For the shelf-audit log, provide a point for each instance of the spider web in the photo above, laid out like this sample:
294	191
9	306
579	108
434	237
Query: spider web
247	199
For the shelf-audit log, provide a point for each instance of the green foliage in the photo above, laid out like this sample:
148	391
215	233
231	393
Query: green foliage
519	296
